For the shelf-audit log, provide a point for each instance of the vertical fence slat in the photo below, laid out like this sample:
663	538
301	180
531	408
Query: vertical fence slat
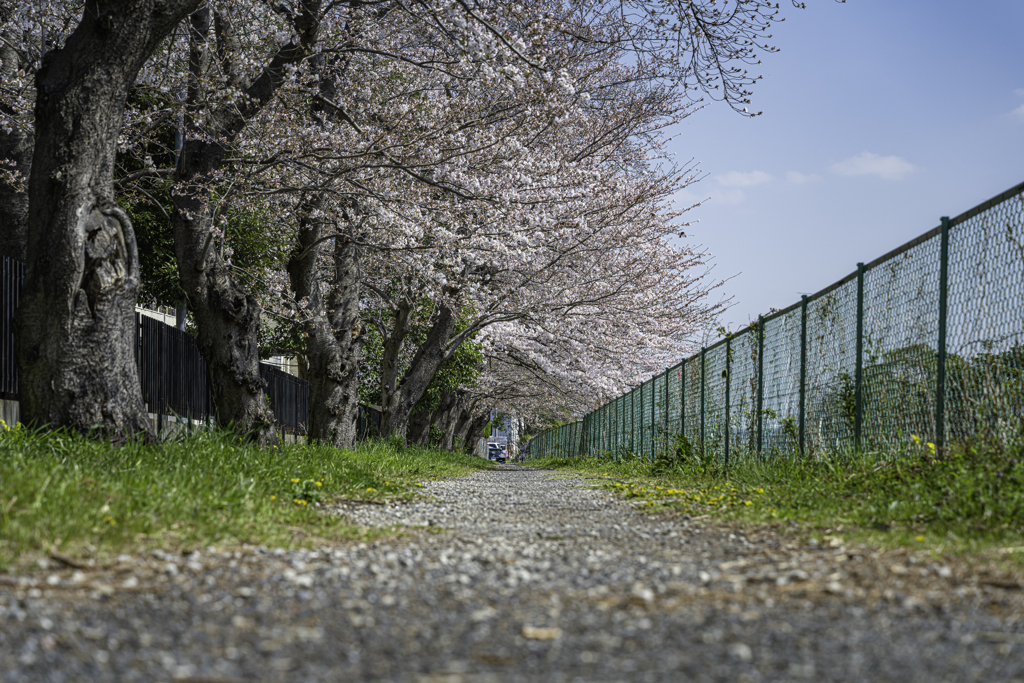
682	399
940	370
858	400
803	368
703	384
760	384
728	382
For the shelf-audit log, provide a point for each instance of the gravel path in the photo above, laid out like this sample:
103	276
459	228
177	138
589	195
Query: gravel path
518	575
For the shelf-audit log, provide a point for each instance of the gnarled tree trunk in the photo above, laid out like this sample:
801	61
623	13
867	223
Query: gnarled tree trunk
475	431
227	316
76	327
464	423
397	405
419	426
447	417
335	341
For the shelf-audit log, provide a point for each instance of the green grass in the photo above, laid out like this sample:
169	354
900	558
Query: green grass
60	491
969	498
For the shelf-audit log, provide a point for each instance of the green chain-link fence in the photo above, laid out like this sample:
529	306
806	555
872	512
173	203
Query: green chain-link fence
926	341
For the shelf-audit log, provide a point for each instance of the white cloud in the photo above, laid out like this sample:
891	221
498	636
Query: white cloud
866	163
742	179
736	196
1018	113
798	178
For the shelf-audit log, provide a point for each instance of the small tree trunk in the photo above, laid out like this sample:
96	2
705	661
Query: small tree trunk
419	427
335	341
227	317
464	423
425	364
389	357
334	355
449	418
76	326
475	431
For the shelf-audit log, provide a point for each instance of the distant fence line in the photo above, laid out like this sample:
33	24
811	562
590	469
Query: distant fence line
925	342
172	371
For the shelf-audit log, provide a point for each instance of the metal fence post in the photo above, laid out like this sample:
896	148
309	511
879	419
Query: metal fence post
682	399
803	367
859	375
608	427
632	422
728	382
703	383
640	449
664	422
940	374
160	385
760	384
654	396
612	425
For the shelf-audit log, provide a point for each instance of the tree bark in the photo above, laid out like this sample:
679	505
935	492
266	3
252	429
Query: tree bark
475	431
419	426
227	316
397	405
464	423
447	417
390	356
75	324
335	339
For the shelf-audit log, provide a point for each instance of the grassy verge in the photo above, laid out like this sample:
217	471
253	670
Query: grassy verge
971	498
64	492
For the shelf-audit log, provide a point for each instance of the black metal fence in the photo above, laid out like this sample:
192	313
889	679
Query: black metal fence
922	345
12	274
172	371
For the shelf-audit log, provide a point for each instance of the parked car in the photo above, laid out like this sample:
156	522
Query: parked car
496	452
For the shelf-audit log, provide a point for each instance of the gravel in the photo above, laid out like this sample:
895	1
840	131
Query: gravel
519	575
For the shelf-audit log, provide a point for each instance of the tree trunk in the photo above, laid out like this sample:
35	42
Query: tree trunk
227	316
335	340
419	426
76	325
464	423
424	366
448	419
475	431
389	357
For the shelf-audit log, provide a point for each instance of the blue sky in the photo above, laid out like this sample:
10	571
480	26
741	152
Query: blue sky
880	116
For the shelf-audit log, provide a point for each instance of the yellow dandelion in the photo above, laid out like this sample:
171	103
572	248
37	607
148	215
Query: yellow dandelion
295	481
919	539
273	498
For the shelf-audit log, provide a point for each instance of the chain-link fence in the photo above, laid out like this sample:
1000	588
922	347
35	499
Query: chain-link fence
924	344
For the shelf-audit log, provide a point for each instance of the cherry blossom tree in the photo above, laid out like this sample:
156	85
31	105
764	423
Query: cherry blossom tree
76	318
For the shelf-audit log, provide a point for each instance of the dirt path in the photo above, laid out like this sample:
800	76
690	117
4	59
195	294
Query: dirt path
519	575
